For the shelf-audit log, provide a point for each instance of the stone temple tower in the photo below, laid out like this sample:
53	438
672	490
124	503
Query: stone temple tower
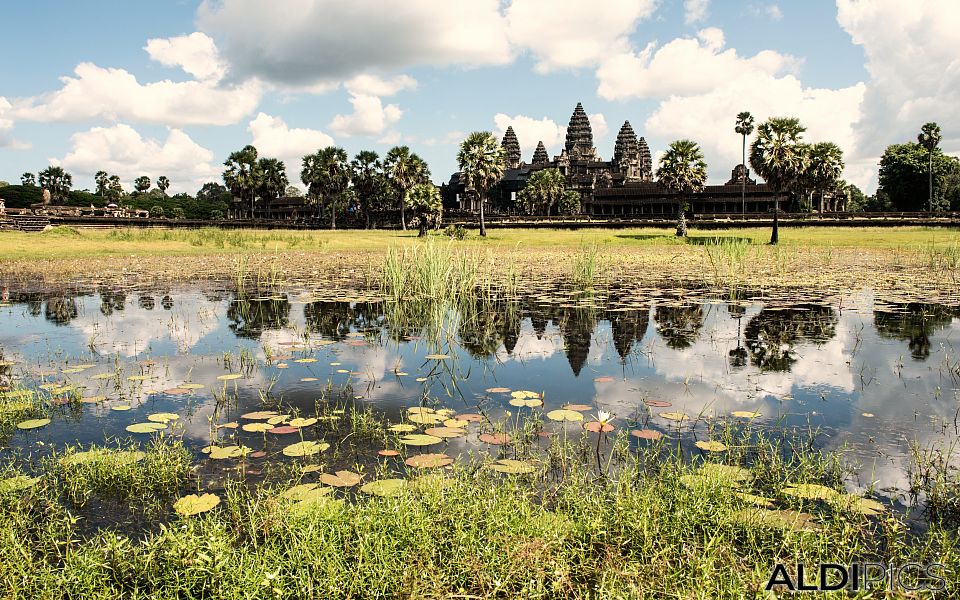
540	156
646	160
626	153
579	143
511	148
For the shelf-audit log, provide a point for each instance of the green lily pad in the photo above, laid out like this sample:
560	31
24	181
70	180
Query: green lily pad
260	415
428	461
745	414
257	427
526	402
384	487
513	467
304	491
811	491
341	479
33	423
419	439
445	432
863	506
164	417
726	472
194	504
122	457
301	422
229	377
564	414
402	428
675	416
146	427
426	418
777	519
307	448
226	452
711	446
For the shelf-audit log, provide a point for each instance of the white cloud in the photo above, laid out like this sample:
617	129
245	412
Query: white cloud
6	125
769	11
369	118
196	54
598	124
272	137
116	95
372	85
317	40
529	131
914	69
695	11
683	66
566	34
448	139
121	150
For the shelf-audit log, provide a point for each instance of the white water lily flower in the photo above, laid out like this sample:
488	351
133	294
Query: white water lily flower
603	417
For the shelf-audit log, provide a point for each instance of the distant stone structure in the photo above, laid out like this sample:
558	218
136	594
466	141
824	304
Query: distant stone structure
624	185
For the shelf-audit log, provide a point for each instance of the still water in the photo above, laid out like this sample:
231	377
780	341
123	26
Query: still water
874	378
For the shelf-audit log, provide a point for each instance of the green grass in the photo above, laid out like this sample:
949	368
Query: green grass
89	243
640	533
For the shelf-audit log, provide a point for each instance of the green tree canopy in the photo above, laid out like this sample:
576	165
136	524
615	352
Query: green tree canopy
404	169
57	181
163	184
904	177
425	204
684	171
368	176
28	179
481	160
242	174
141	184
544	190
326	174
778	155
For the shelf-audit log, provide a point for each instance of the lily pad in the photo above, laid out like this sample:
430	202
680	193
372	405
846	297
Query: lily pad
121	407
711	446
675	416
658	403
513	467
863	506
526	402
496	439
779	519
307	448
93	399
194	504
225	452
419	439
745	414
121	457
445	432
456	423
646	434
727	473
578	407
471	417
341	479
102	376
402	428
811	491
164	417
283	430
564	415
146	427
754	499
191	386
33	423
426	418
301	422
597	427
497	390
260	415
388	452
229	377
428	461
257	427
303	491
384	487
437	356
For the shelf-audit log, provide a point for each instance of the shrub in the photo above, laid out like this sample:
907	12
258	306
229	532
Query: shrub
156	211
177	213
455	232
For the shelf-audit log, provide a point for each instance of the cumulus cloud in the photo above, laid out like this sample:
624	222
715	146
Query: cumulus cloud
273	137
337	40
121	150
695	11
196	54
683	66
914	69
372	85
564	35
598	124
530	131
6	125
448	139
116	95
369	117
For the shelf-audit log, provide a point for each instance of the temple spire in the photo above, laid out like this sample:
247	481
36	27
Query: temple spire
511	146
646	160
540	156
579	142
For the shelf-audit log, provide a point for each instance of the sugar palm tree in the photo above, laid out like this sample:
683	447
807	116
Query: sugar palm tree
683	171
366	167
57	181
272	180
744	127
777	155
28	179
544	189
241	174
326	174
102	179
481	160
424	202
930	138
405	169
163	183
141	184
825	168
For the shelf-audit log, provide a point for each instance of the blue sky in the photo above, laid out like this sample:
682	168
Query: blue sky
171	88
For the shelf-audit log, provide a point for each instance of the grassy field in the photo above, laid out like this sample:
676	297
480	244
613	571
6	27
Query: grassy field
832	258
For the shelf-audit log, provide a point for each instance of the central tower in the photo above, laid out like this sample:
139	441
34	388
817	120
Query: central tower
579	143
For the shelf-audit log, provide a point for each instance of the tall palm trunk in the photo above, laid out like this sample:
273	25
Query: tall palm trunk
775	236
930	180
403	206
743	182
681	220
483	226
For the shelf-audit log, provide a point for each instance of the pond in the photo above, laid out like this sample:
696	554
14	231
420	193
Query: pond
875	378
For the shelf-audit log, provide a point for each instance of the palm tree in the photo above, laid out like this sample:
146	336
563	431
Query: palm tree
929	138
481	159
825	168
28	179
405	169
102	179
744	127
242	174
115	188
163	183
272	180
326	174
57	181
683	171
141	184
427	207
544	189
777	156
366	169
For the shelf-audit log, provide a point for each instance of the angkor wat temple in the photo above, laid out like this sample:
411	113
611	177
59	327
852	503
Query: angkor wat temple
624	185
